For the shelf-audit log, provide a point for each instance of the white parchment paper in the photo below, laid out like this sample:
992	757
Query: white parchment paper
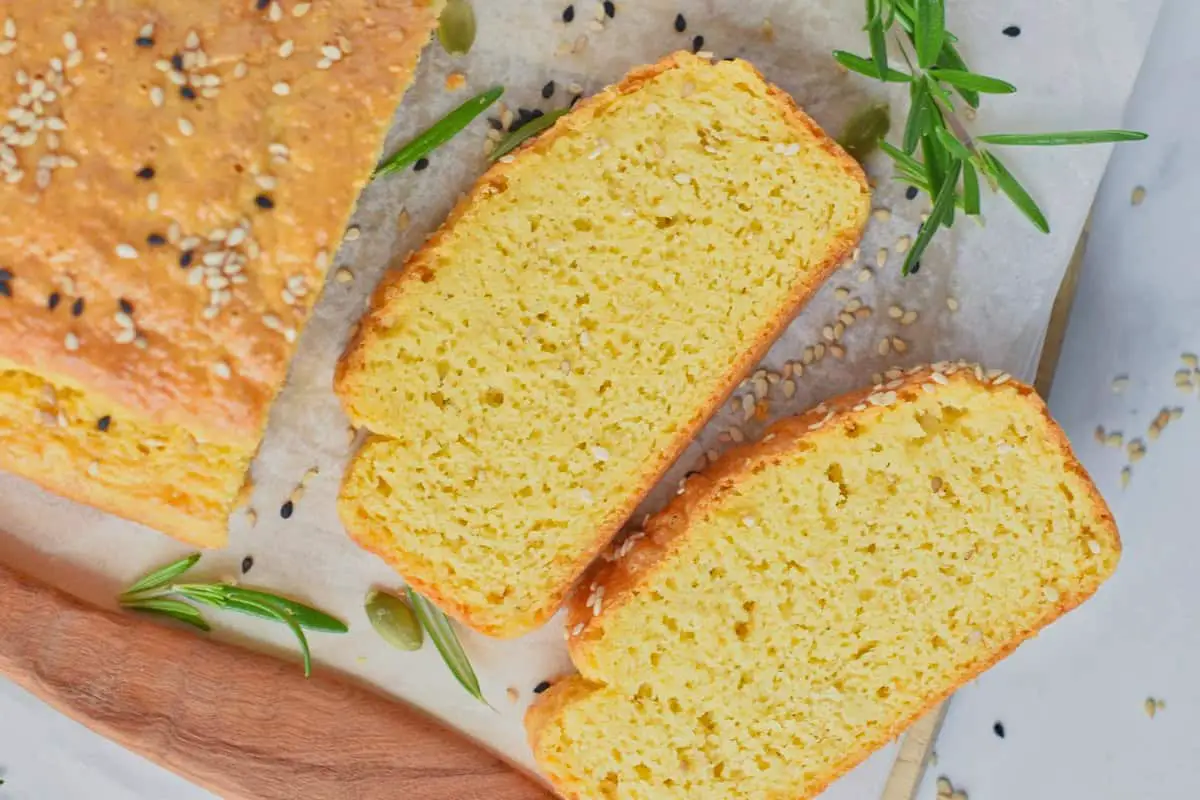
1074	63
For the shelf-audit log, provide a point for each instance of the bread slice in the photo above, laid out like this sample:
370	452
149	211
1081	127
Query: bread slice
809	596
170	199
531	372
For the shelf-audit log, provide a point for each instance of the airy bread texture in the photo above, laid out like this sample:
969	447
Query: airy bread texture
531	372
174	176
811	595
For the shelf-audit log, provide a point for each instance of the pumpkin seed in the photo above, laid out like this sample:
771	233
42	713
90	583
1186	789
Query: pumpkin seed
863	131
456	27
394	621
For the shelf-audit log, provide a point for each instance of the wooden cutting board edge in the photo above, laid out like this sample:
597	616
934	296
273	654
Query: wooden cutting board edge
918	743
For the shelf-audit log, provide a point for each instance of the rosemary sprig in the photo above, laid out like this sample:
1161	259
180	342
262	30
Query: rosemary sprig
440	630
937	154
158	593
527	131
439	133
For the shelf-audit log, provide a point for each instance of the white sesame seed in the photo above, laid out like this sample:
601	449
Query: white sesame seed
300	9
10	28
682	178
952	304
70	41
222	370
909	318
8	45
152	201
240	69
865	275
275	12
282	89
147	29
884	347
186	127
192	41
331	52
899	345
287	48
71	342
343	275
125	336
126	251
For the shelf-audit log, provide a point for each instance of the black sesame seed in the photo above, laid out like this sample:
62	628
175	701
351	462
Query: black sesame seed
568	14
53	300
680	23
261	5
187	92
144	41
264	201
911	193
541	687
495	124
421	164
5	288
5	274
697	44
1012	31
156	240
77	307
177	62
103	423
146	173
548	90
610	8
185	258
125	306
524	114
247	564
998	729
286	509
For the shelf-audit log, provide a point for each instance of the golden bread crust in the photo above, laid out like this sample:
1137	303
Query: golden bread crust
420	266
177	124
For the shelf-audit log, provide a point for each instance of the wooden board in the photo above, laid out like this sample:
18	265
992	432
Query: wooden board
917	746
242	724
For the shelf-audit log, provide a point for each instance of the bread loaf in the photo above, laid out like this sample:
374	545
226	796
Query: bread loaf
809	596
174	177
529	374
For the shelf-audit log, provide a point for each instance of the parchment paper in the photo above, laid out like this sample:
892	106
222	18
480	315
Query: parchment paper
1074	63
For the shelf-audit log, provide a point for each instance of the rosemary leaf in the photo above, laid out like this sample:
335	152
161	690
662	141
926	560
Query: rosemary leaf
271	610
953	145
929	30
249	601
914	126
526	131
867	67
439	133
972	80
950	59
1015	191
942	207
438	626
902	158
175	609
970	192
1064	138
876	36
163	575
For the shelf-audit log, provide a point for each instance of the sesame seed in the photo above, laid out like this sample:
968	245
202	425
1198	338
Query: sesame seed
343	275
70	41
301	9
186	127
282	89
421	164
53	300
1137	196
952	304
865	274
1012	31
680	23
186	257
261	5
264	201
697	44
77	307
683	178
911	193
909	318
103	423
126	251
568	14
541	687
287	48
548	90
287	509
156	240
144	41
71	342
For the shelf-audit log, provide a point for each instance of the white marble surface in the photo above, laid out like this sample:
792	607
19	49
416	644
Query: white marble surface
35	742
1072	701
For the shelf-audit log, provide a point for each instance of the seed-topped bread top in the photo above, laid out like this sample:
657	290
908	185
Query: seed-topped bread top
532	371
174	177
809	596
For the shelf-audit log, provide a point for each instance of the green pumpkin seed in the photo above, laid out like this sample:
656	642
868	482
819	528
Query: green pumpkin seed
456	27
394	621
864	130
